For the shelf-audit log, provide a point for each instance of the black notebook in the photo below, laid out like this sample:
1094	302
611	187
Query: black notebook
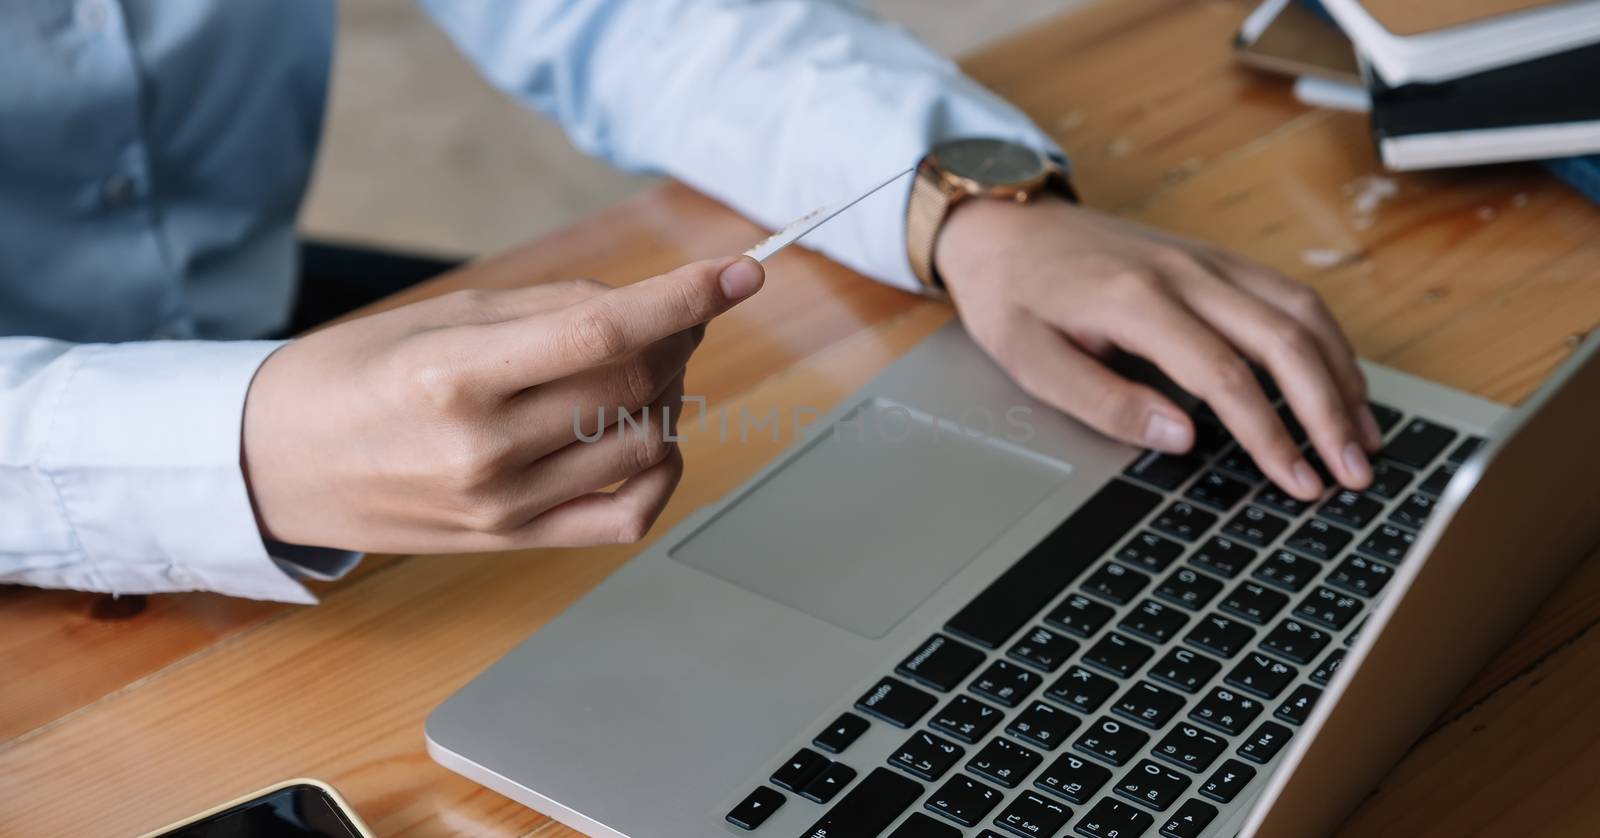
1548	107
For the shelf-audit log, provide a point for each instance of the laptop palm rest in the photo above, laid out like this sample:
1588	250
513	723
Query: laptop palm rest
860	526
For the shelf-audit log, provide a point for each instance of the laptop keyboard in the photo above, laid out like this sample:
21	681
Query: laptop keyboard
1137	670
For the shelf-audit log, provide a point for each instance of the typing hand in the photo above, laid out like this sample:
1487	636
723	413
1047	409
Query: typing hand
1050	289
448	425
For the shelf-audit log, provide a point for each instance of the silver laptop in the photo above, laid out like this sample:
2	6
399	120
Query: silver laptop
948	610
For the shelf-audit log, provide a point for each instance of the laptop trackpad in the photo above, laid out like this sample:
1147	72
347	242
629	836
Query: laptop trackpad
865	522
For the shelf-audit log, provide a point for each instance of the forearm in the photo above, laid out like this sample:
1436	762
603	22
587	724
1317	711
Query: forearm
773	107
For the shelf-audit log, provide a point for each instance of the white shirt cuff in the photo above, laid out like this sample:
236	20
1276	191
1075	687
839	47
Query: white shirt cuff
144	458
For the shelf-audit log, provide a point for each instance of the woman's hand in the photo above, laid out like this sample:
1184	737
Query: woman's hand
1049	289
451	425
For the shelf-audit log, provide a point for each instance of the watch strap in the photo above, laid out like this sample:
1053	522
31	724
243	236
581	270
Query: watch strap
925	214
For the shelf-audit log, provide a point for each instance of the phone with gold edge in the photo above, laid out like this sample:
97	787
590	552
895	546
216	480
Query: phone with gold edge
301	808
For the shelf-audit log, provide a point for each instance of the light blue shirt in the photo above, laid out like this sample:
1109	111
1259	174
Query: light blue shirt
153	156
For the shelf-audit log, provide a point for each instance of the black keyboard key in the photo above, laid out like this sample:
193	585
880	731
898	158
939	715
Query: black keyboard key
1115	583
1118	655
1006	683
918	825
1190	820
1220	636
1043	725
1412	512
966	718
927	756
1073	778
825	786
1288	571
1254	602
1005	762
1296	641
1218	491
1223	557
1189	747
1226	710
1261	675
1150	552
1328	608
1030	584
1352	509
1360	575
1388	542
1164	471
1082	690
963	800
1184	520
1113	741
1389	479
1114	819
1080	615
794	774
1329	666
1318	539
839	735
868	809
896	702
1188	588
1276	498
1044	649
1387	416
1149	705
1265	743
1153	785
940	663
1033	815
1154	622
1297	707
1417	443
754	810
1237	461
1438	479
1227	781
1254	525
1184	669
1465	450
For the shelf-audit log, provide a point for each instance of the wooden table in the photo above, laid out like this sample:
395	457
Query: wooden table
117	716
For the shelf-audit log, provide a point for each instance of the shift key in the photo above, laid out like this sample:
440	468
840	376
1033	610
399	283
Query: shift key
869	808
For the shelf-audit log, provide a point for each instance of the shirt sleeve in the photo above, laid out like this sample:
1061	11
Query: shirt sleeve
775	107
119	470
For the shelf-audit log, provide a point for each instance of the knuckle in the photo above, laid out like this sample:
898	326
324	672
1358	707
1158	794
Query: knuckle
693	302
472	462
1293	340
1231	378
1116	410
645	450
1136	283
1304	302
437	385
492	516
592	333
639	382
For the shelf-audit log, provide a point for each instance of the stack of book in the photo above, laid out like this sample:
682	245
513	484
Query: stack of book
1448	82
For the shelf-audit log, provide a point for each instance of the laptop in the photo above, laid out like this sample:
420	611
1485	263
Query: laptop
948	610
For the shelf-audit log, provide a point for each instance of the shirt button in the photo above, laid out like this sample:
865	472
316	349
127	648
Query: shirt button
117	190
93	15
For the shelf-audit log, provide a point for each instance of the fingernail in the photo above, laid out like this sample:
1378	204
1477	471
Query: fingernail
1355	462
1164	433
741	279
1306	478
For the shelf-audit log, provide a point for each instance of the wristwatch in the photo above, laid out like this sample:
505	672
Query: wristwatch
975	167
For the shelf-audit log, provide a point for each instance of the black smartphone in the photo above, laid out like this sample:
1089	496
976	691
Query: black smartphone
293	809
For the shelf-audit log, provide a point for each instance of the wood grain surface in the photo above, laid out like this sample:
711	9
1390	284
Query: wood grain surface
119	715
